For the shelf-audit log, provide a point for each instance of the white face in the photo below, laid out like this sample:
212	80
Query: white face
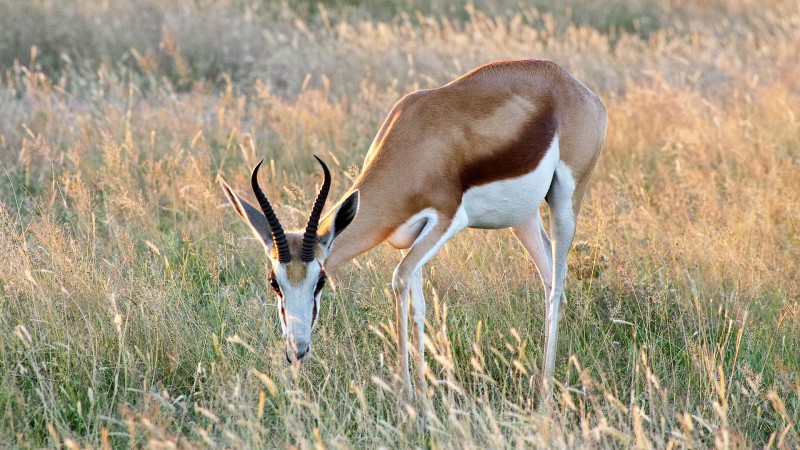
298	286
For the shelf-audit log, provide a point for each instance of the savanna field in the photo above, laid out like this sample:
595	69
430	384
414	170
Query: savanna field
134	310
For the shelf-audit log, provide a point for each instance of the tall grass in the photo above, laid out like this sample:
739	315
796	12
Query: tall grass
133	308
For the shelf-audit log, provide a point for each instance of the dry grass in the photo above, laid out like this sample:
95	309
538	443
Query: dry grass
132	304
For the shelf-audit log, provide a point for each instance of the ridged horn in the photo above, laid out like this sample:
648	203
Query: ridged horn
310	236
278	237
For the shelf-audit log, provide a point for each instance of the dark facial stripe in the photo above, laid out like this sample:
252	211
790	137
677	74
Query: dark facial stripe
273	282
314	313
320	282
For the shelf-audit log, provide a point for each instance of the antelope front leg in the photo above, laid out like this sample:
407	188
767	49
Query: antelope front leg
428	243
401	286
418	327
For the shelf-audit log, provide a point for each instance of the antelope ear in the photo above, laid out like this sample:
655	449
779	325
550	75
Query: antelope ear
344	215
250	215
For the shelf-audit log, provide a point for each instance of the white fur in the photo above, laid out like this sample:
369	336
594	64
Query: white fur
299	310
562	229
502	204
508	203
403	286
413	229
459	222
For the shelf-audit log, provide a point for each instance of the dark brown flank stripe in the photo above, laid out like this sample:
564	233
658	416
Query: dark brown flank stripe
516	158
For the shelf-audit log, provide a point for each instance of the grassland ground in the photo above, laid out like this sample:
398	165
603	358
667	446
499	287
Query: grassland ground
133	306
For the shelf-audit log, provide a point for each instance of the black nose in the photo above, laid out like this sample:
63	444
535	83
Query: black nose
299	355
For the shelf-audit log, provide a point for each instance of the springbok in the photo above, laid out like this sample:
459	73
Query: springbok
483	151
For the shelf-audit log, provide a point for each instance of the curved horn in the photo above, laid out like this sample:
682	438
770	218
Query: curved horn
278	237
310	236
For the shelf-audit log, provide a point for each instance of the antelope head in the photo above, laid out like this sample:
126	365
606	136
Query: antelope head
297	258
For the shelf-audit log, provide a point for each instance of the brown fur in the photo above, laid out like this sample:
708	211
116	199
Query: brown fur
295	269
493	123
517	157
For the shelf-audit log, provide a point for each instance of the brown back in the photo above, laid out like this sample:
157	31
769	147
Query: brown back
493	123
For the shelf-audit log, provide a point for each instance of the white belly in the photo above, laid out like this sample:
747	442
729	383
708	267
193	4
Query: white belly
507	203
